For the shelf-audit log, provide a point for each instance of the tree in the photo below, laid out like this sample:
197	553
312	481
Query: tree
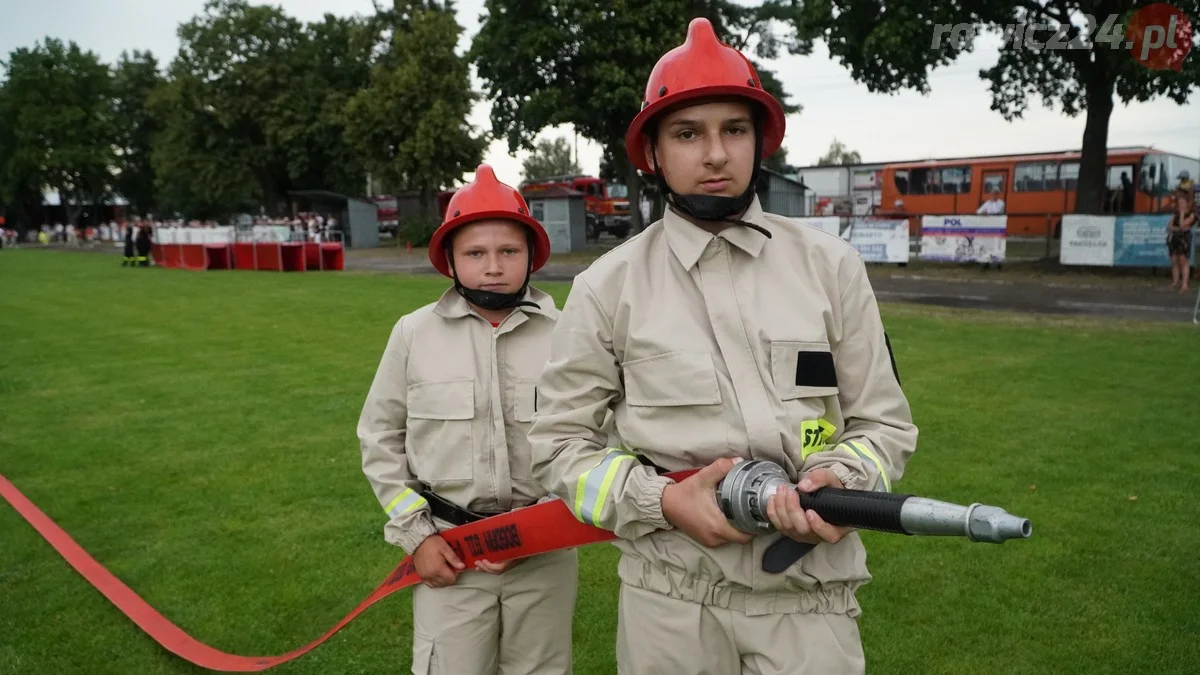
894	45
409	124
551	62
255	108
838	155
228	113
60	132
549	158
135	79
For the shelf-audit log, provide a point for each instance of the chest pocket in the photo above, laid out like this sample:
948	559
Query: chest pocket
803	369
683	378
440	436
673	403
524	400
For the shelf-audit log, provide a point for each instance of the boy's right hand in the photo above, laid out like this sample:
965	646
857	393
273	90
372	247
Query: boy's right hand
436	563
691	506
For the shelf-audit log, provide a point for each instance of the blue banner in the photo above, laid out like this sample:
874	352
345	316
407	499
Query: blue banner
1141	241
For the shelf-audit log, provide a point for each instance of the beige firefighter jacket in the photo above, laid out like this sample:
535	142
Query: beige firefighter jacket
450	408
707	347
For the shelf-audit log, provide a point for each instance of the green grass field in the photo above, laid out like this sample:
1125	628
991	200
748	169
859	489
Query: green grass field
195	432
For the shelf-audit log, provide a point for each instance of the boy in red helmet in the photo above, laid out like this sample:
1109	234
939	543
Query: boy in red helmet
444	442
721	333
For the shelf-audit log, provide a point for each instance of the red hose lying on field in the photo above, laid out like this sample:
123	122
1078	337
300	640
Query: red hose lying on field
517	534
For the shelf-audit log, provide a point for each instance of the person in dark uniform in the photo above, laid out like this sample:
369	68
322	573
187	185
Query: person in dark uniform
143	245
128	261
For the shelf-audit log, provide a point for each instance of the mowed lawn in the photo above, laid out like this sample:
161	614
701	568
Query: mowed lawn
195	432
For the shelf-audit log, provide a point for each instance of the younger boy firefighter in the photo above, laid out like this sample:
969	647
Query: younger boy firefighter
444	442
721	333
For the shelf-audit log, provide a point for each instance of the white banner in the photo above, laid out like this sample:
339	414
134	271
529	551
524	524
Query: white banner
830	224
1087	240
225	235
963	238
193	235
881	241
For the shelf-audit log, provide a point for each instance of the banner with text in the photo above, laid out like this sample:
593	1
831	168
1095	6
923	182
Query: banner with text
1087	240
1118	241
963	238
880	241
1141	241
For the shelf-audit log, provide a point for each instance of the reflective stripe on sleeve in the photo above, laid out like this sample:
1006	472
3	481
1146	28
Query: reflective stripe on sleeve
866	454
592	487
404	502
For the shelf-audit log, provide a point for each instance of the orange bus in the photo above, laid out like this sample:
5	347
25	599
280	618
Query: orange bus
1037	189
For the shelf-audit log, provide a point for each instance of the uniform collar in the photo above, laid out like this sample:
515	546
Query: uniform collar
688	241
452	305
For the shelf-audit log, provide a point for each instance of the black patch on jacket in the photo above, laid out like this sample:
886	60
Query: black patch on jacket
815	369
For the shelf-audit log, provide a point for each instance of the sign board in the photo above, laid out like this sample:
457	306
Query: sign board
880	241
963	238
1141	241
1087	240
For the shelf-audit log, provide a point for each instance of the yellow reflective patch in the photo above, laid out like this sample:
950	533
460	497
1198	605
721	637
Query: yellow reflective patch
814	435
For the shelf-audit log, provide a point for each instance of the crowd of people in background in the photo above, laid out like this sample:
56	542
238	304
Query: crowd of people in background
305	226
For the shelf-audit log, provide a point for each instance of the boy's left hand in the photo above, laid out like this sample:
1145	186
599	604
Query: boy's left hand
784	512
497	568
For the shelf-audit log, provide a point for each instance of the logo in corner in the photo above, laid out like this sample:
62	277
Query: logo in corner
1159	36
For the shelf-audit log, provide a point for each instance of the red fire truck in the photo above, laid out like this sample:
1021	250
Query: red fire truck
607	210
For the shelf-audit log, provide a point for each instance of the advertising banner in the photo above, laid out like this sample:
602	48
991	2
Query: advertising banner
1087	240
963	238
880	241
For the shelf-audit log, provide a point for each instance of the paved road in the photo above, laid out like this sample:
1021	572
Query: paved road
1150	304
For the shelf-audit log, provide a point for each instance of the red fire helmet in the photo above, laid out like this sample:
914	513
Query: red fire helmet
702	67
485	198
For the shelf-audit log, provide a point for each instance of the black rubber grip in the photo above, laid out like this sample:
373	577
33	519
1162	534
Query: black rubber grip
860	509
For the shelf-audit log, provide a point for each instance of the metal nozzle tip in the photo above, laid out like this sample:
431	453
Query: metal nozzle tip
995	525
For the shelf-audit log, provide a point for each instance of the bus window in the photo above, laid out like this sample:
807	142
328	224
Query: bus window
900	178
1153	180
933	181
993	183
956	179
1068	174
1029	177
1120	176
1120	188
1050	180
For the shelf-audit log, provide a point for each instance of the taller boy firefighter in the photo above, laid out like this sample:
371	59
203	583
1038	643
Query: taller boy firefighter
444	442
719	334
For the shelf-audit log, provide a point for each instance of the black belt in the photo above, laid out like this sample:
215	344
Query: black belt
443	509
657	469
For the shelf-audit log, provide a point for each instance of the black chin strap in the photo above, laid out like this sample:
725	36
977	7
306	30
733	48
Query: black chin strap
715	207
491	300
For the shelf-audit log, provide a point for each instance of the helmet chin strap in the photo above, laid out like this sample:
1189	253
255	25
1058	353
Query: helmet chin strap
716	208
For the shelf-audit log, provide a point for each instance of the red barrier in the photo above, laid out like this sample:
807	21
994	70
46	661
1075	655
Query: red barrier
291	257
517	534
243	256
312	256
172	256
194	257
269	256
220	256
333	257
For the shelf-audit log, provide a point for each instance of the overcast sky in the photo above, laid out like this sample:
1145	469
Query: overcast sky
954	119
